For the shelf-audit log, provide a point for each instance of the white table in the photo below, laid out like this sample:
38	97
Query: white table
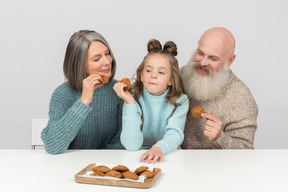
182	170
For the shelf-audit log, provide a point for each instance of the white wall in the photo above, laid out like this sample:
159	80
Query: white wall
34	35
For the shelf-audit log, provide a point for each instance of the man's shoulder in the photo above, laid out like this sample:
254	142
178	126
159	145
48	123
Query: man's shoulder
237	85
239	92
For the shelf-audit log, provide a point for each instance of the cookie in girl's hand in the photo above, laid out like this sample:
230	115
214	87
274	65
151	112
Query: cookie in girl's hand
127	82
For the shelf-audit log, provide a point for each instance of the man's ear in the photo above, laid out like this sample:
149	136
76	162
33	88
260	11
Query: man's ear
231	59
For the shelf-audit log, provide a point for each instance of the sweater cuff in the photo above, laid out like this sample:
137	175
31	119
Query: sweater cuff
80	109
129	108
222	142
163	146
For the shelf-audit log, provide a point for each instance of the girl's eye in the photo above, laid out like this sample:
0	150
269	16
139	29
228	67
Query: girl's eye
161	72
97	59
148	70
108	53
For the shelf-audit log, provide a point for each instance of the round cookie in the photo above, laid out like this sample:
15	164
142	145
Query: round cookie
101	168
113	173
156	170
148	174
197	112
98	173
127	82
140	169
105	79
130	175
120	168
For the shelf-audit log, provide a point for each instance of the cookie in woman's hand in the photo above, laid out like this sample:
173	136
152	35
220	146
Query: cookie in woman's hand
105	79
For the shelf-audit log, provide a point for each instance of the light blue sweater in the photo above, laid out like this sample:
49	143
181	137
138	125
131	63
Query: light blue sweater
74	125
157	131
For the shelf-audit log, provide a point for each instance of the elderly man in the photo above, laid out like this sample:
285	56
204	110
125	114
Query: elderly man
231	111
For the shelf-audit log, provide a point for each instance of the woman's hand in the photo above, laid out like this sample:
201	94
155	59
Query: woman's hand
91	83
126	96
154	154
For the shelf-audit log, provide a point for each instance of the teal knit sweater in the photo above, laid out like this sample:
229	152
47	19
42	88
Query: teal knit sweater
157	130
74	125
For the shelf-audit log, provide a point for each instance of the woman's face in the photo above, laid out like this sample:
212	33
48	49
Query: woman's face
99	60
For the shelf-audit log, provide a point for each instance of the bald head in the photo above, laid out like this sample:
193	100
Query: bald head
221	38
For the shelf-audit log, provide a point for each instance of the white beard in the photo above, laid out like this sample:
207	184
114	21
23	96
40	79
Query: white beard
203	88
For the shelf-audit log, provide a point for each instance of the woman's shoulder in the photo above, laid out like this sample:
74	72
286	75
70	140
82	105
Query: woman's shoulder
64	90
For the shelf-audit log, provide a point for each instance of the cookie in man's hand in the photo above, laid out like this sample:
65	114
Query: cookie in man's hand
197	112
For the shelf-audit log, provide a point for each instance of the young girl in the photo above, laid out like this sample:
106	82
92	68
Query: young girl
156	120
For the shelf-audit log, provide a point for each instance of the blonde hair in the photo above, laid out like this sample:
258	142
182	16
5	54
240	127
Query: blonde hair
169	51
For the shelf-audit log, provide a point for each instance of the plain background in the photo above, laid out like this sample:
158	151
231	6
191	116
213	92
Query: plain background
34	36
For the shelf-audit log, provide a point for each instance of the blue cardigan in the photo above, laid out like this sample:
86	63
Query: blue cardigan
157	131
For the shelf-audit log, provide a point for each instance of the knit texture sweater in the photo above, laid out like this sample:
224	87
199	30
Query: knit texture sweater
235	107
74	125
157	130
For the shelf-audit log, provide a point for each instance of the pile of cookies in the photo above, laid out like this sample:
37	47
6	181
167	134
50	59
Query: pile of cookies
121	171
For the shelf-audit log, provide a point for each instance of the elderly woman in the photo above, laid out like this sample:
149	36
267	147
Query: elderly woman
83	111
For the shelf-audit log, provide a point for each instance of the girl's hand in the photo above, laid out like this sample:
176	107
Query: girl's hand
126	96
154	154
91	83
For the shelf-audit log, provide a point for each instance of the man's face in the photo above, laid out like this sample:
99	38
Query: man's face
211	56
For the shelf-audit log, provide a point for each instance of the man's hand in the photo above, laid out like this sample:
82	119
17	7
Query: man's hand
212	127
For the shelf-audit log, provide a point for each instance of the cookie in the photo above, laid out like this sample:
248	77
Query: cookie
130	175
140	169
197	112
115	174
156	170
148	174
98	173
101	168
120	168
127	82
105	79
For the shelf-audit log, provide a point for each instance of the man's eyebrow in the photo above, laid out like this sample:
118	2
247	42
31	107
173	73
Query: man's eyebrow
214	56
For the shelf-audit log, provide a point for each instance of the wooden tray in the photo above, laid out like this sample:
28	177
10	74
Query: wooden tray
147	183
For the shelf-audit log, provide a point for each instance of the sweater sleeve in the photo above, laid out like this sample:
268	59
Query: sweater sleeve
115	142
240	131
238	135
64	122
174	135
131	135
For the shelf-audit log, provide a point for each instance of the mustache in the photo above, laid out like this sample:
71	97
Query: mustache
197	65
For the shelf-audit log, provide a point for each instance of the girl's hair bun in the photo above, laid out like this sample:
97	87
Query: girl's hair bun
171	47
154	46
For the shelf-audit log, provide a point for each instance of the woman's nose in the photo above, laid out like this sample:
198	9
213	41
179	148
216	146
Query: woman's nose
106	60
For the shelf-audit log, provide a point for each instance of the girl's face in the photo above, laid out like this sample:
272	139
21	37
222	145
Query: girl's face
156	74
99	60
